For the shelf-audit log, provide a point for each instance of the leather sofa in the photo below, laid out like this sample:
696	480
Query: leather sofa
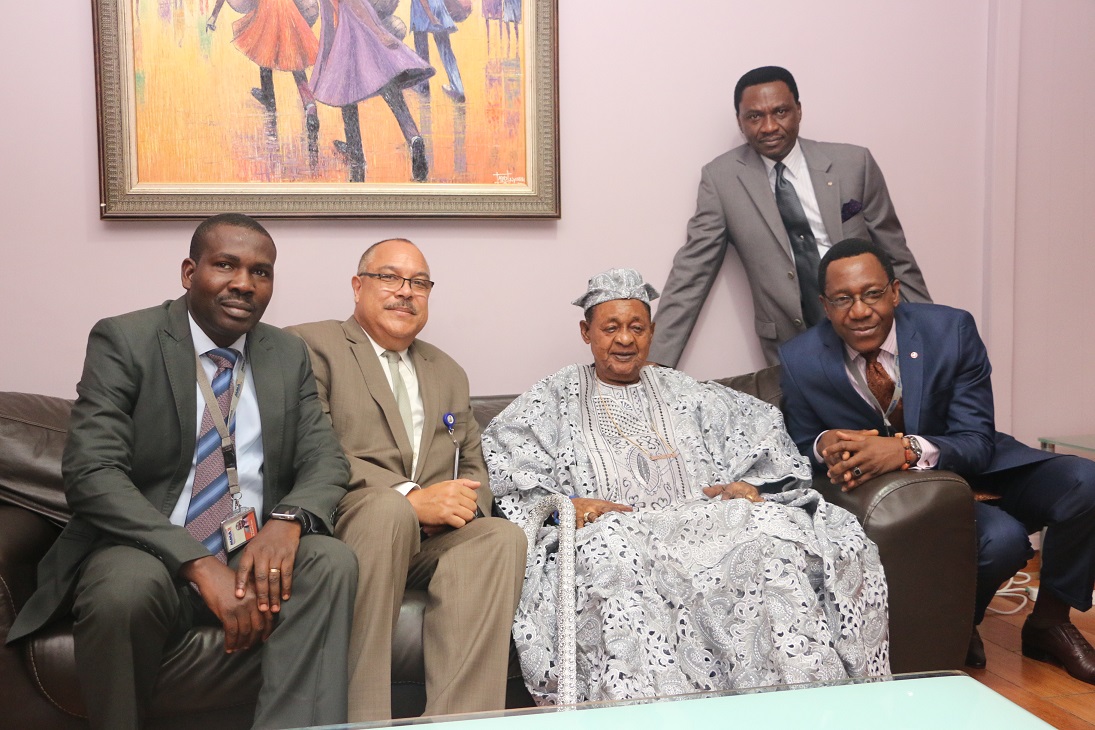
921	521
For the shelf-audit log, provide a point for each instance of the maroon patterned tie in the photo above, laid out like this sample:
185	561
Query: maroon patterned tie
882	387
210	500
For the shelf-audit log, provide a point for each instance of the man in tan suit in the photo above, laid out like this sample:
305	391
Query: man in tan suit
416	516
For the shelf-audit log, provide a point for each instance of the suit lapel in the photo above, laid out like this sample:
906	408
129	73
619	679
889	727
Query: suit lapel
267	375
177	348
826	189
754	178
430	393
376	385
911	356
840	386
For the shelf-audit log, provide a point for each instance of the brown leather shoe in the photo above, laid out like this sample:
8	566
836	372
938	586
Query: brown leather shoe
1062	644
975	655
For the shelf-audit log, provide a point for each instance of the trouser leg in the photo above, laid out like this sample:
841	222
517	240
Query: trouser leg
1058	494
126	607
1002	550
381	529
448	60
473	577
304	660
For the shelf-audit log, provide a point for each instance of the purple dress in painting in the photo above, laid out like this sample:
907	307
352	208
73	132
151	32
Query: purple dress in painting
492	9
353	63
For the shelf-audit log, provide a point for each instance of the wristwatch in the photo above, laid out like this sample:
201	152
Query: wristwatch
294	514
916	449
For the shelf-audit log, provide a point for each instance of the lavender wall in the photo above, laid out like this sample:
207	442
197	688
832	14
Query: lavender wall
952	98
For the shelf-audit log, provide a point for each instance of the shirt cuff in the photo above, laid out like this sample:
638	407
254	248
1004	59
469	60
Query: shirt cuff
406	488
929	456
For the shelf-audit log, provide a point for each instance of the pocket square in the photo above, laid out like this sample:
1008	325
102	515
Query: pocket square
849	209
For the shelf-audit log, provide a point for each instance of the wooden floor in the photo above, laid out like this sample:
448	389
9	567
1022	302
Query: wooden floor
1043	689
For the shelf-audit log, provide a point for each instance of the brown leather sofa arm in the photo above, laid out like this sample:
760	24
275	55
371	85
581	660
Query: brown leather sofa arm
922	522
24	539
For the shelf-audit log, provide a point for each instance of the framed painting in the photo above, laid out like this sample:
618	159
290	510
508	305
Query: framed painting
327	108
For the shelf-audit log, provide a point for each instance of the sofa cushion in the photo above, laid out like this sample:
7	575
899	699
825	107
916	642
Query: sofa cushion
33	429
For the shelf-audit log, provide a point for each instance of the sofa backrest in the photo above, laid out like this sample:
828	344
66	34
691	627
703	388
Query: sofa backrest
33	429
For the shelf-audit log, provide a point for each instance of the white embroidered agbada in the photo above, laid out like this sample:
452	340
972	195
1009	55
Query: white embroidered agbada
685	593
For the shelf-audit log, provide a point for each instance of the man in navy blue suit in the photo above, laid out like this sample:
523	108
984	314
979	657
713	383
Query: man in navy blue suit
881	387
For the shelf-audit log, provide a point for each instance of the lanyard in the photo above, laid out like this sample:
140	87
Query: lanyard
228	445
862	381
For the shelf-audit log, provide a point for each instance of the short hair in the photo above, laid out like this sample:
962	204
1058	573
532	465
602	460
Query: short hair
763	75
237	220
850	248
365	257
589	311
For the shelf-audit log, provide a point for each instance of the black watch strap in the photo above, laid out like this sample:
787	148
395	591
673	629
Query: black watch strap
286	512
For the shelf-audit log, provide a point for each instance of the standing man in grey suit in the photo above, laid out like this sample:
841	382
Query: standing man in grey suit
417	513
781	202
152	473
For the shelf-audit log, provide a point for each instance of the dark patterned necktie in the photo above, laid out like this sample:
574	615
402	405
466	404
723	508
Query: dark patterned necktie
882	387
802	243
210	501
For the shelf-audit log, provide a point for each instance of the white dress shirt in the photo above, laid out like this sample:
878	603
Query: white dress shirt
248	433
414	395
798	174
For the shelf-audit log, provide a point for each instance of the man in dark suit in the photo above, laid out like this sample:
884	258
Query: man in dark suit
157	460
781	202
882	387
417	513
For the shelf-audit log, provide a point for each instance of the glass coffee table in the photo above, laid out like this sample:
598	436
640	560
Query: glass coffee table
1084	444
932	700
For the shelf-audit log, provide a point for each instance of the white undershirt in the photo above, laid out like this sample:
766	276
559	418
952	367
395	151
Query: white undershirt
248	433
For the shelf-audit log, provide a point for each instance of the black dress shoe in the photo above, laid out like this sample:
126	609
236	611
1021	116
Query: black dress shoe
975	655
1061	644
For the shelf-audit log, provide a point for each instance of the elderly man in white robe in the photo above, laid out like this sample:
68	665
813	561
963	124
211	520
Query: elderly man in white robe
703	559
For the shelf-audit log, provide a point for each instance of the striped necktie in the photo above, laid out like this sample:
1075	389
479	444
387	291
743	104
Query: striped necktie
210	501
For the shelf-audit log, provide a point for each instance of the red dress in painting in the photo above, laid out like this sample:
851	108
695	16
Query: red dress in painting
275	35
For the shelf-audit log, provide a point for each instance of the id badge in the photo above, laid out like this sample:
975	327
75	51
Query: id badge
239	528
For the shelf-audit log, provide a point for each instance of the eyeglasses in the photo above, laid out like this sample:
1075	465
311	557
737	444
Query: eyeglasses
869	297
391	282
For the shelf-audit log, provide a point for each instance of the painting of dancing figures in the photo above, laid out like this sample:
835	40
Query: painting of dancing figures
335	97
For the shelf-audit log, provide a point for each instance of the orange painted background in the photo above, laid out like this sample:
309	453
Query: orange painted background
198	122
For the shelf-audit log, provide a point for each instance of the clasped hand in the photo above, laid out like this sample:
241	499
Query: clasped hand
450	503
855	457
245	600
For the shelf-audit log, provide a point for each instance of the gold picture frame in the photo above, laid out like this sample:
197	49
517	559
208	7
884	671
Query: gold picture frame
182	136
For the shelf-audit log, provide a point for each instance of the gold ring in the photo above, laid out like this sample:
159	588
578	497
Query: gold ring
274	570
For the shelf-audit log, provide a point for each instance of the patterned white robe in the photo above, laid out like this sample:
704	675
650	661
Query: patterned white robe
689	594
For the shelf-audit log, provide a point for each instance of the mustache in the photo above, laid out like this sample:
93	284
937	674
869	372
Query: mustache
403	304
235	300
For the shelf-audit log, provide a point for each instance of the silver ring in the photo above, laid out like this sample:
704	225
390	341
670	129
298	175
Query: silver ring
588	517
857	472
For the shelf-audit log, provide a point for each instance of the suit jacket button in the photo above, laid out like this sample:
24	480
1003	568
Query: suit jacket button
790	274
796	322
